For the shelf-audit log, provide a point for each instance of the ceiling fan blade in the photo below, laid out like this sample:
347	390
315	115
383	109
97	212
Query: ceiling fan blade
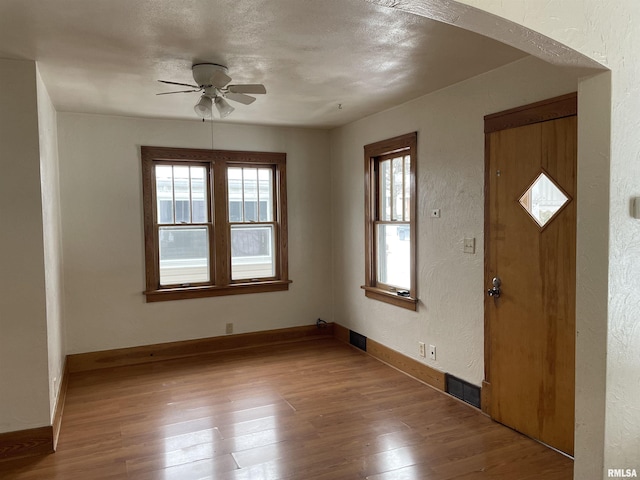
241	98
176	83
180	91
248	88
219	79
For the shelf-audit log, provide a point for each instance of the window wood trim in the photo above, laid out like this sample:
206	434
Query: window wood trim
373	153
220	247
385	296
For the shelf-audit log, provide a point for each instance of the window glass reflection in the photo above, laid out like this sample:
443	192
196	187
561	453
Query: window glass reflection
543	200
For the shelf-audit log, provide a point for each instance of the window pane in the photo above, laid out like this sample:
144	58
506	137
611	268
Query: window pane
181	194
407	188
164	193
265	180
385	190
543	199
250	186
250	193
184	255
398	188
252	252
182	211
394	255
165	211
235	211
234	190
250	211
265	211
199	211
198	195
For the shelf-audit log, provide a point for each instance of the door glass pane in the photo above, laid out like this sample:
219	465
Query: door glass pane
252	252
184	255
164	193
543	199
394	255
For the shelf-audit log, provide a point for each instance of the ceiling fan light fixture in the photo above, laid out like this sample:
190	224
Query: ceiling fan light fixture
212	81
203	107
224	109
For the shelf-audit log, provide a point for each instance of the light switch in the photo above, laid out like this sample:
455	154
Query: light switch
636	207
469	245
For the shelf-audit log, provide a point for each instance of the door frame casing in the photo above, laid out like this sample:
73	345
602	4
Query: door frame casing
546	110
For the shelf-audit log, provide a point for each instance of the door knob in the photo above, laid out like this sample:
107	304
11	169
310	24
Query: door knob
495	290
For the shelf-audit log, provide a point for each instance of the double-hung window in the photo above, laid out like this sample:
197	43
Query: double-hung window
390	221
215	222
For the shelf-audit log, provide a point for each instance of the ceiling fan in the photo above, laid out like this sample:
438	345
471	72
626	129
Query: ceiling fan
212	80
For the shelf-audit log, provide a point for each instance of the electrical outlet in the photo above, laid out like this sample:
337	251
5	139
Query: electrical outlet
422	349
229	328
432	352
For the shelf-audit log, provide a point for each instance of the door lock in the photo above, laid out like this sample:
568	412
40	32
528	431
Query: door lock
495	290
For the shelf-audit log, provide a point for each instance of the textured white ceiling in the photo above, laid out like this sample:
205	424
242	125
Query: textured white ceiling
105	56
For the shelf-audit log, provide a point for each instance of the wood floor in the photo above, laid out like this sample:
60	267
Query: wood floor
311	410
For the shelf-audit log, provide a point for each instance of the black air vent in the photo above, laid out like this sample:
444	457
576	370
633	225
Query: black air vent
358	340
465	391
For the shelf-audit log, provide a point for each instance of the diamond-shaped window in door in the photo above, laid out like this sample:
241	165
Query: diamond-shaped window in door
543	199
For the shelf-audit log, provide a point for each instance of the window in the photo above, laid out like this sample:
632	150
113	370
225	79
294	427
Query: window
215	222
390	224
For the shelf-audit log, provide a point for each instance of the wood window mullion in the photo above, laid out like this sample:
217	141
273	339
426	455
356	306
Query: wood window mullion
221	225
404	189
372	207
209	188
190	198
279	193
152	254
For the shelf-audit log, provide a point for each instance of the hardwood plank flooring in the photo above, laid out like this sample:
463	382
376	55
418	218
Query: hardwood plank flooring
313	410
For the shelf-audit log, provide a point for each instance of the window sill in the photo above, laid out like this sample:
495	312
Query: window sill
182	293
391	298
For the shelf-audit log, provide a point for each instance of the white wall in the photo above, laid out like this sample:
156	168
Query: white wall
450	174
594	120
51	218
583	32
24	397
101	198
606	31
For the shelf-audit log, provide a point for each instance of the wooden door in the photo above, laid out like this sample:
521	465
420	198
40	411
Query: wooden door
530	326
